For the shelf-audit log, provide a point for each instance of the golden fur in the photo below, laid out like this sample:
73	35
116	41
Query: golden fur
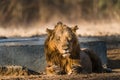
62	48
63	53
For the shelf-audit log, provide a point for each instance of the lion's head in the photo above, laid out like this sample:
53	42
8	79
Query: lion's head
63	39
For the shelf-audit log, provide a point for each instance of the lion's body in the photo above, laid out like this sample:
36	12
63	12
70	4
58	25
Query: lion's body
62	49
96	62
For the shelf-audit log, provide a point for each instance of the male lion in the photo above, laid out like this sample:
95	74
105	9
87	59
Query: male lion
63	53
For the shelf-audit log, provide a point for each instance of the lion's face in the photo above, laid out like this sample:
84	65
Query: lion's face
62	38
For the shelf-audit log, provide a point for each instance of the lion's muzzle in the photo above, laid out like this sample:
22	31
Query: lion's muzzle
66	51
66	54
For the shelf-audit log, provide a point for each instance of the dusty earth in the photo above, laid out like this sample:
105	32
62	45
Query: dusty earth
113	55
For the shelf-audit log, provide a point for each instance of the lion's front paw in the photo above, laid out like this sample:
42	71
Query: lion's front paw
76	69
70	72
52	70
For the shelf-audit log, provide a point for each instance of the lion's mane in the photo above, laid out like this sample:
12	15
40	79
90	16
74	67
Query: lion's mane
53	55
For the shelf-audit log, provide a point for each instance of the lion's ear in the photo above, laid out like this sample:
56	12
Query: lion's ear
49	31
59	24
75	28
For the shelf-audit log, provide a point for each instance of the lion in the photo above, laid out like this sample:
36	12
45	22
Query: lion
63	53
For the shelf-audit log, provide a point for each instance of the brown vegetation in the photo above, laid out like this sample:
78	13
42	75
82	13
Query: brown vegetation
29	11
25	18
11	70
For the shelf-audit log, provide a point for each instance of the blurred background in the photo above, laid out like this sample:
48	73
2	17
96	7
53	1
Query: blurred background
26	18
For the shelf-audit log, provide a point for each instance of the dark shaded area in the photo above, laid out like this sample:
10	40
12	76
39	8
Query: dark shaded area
114	64
114	58
30	11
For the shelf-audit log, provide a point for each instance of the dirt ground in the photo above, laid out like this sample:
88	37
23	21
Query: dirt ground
113	63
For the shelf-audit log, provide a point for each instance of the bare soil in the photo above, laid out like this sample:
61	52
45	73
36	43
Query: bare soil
113	63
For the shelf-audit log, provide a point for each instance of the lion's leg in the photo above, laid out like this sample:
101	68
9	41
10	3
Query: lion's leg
66	66
70	64
50	69
76	66
73	66
68	69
